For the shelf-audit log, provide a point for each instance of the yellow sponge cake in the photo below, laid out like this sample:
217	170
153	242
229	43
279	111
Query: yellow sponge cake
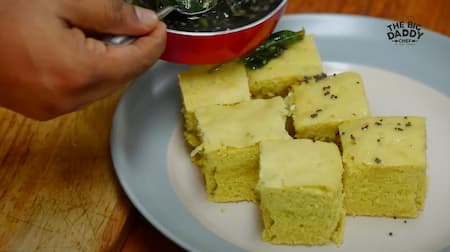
228	154
300	60
384	166
205	85
319	106
300	189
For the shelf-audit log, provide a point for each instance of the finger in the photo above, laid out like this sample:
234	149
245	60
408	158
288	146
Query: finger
143	52
112	66
108	17
126	62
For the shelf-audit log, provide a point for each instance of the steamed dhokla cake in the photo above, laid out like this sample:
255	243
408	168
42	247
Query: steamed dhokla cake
205	85
300	189
385	166
229	153
320	105
299	60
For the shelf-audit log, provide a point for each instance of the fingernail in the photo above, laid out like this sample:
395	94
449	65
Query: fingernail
146	16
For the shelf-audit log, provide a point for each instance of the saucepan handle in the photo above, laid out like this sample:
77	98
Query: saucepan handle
125	40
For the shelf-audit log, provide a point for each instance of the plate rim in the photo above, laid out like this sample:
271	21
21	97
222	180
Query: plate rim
153	220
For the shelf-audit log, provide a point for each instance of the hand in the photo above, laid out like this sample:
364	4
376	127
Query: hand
51	63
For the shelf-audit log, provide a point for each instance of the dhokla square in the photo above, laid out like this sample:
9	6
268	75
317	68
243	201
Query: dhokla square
300	60
301	194
320	104
229	153
204	85
385	166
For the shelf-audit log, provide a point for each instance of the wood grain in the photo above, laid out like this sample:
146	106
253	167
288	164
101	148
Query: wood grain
57	188
328	6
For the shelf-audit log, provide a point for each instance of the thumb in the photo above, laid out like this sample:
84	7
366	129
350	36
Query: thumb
109	17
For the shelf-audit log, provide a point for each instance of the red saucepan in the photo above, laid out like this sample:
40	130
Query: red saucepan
216	47
213	47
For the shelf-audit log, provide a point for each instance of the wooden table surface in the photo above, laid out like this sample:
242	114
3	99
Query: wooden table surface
433	15
58	191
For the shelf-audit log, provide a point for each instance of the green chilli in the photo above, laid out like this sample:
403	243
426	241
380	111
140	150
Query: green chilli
272	48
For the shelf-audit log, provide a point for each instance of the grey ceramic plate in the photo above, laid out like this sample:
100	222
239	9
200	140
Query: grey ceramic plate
153	167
